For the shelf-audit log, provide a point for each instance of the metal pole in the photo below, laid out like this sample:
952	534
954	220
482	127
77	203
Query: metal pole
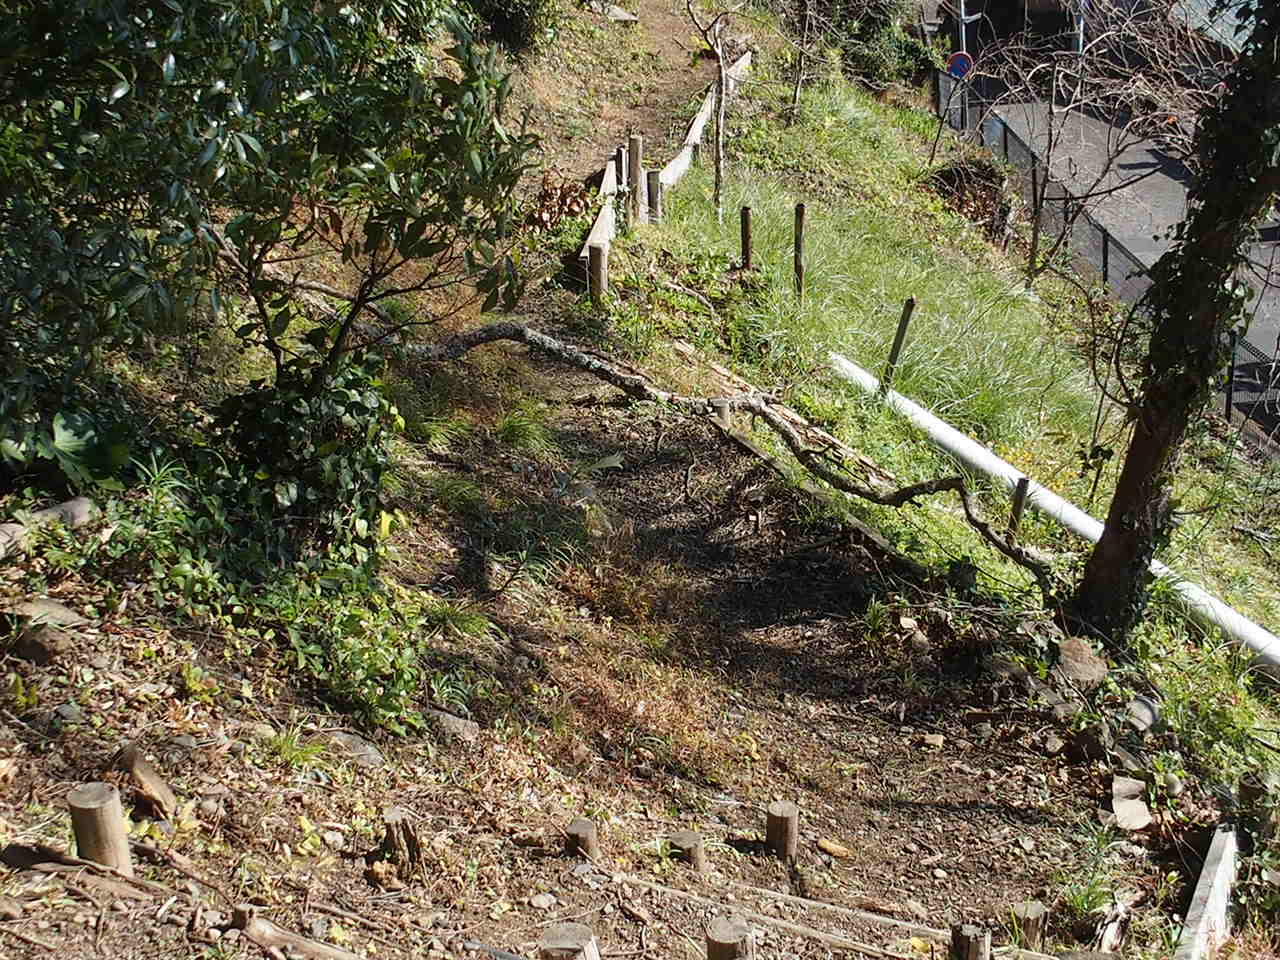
899	338
799	252
1231	374
746	238
1106	263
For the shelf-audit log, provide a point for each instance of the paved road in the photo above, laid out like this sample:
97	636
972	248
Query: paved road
1139	215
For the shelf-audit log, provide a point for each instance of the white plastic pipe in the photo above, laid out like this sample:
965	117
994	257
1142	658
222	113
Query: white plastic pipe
1202	606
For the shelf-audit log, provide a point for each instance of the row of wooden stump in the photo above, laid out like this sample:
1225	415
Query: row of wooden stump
101	836
729	936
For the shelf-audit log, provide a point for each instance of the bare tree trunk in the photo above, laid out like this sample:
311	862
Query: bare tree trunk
721	87
1194	300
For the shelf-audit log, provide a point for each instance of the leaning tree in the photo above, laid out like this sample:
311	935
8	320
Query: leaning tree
1196	297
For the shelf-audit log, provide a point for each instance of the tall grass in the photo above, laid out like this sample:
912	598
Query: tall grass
976	353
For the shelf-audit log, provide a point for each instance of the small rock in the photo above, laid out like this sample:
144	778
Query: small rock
333	839
582	869
99	662
230	936
1079	667
454	728
984	731
69	713
1131	814
260	731
210	809
1173	785
357	749
237	748
214	918
119	906
933	741
318	928
43	643
1091	742
919	643
1126	788
1143	713
186	741
939	873
543	901
1127	761
1026	843
1064	711
1054	745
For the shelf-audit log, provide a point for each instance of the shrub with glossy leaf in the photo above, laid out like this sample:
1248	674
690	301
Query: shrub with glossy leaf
307	460
157	156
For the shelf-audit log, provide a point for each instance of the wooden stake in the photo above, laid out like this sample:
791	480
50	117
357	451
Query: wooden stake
970	942
582	839
746	238
899	338
695	153
98	821
598	273
1019	504
729	938
782	829
635	178
568	941
799	257
1029	922
400	844
687	846
654	178
620	168
722	413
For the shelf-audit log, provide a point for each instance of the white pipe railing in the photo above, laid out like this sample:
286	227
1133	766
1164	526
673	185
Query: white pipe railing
1202	606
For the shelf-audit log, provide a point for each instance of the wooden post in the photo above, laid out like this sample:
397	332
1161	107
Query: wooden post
970	942
1019	504
729	938
582	839
1029	922
746	238
722	414
687	846
799	258
655	195
695	153
635	178
598	273
98	822
899	339
568	941
782	829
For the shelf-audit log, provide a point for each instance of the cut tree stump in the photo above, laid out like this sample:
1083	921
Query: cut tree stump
400	845
782	829
1030	920
729	938
568	941
98	822
687	845
148	782
582	839
970	942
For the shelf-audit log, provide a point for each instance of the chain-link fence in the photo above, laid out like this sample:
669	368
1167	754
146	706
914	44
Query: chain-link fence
1253	383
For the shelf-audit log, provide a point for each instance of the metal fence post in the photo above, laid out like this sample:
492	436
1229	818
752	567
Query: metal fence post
1004	138
1231	374
1106	242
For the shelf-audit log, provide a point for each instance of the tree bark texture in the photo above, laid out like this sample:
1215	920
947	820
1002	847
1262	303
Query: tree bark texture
1193	303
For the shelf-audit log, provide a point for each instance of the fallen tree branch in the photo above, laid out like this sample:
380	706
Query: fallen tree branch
823	462
268	935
